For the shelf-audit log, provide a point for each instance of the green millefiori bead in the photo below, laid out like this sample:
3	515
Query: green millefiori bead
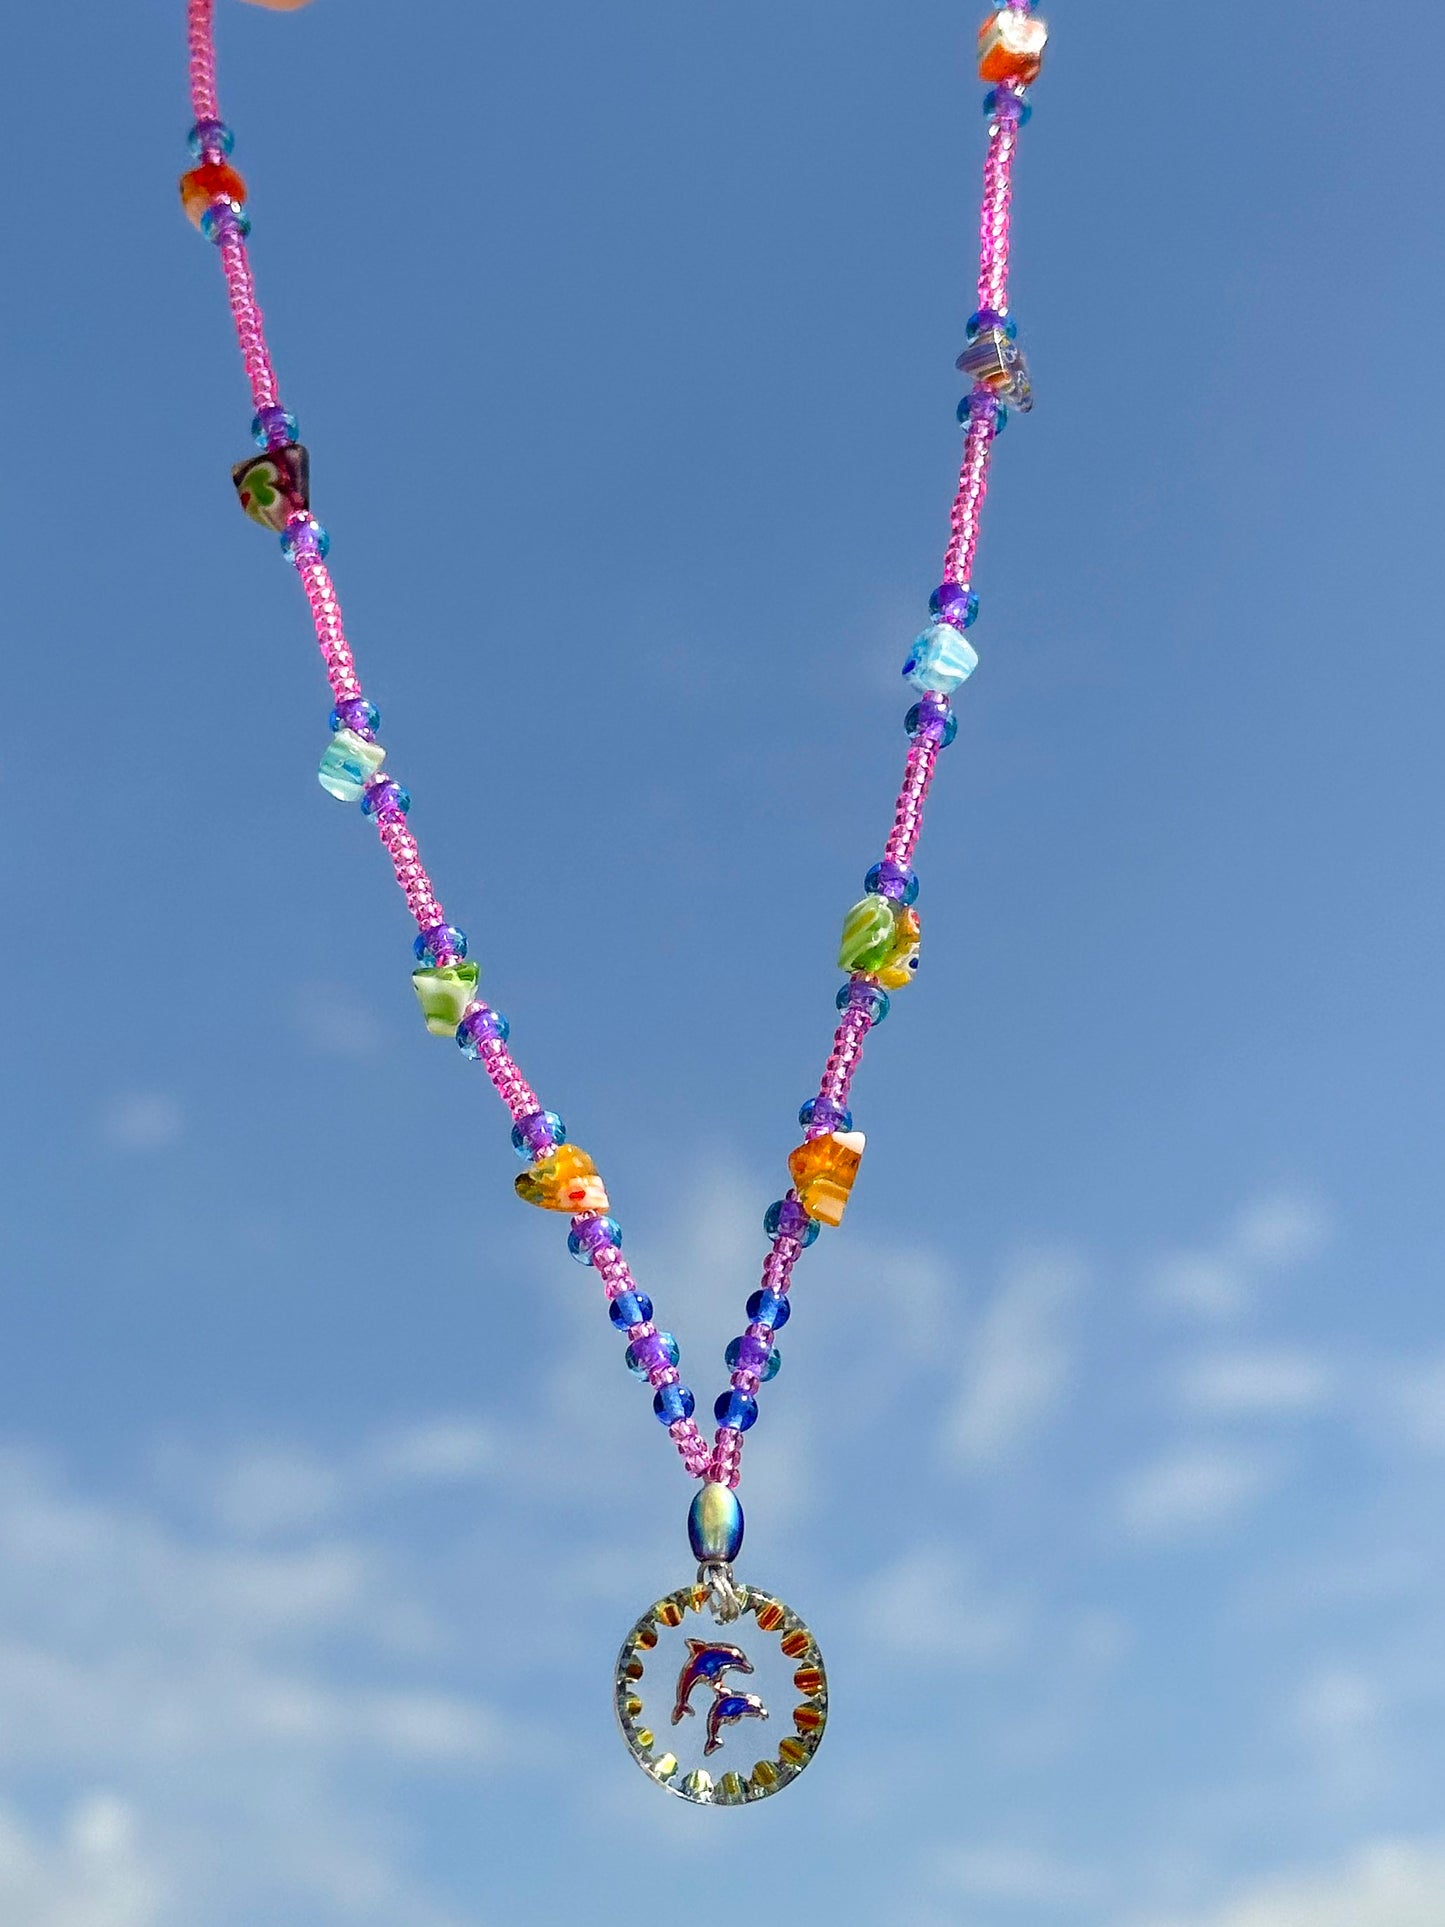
444	991
867	935
350	761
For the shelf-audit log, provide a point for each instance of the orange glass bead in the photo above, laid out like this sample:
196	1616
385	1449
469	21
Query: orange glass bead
211	181
823	1170
1011	47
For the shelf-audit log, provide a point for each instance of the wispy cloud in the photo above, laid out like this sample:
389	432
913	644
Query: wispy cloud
1219	1282
141	1121
1260	1383
91	1872
981	1628
1194	1490
1387	1884
1018	1360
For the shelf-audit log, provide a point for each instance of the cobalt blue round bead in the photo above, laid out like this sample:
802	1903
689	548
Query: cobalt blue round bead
738	1409
630	1308
673	1402
770	1308
788	1219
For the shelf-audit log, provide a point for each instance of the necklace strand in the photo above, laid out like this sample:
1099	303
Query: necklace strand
880	939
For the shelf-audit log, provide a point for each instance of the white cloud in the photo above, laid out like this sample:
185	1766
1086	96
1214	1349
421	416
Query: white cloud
1200	1283
904	1605
1218	1283
1282	1229
1256	1383
1193	1490
441	1451
142	1121
1018	1361
92	1874
335	1023
1416	1399
1387	1884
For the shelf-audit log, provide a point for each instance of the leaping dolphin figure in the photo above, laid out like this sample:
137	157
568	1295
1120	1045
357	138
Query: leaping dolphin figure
726	1710
708	1660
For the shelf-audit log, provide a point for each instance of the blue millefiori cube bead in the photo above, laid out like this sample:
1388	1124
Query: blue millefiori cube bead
348	765
941	659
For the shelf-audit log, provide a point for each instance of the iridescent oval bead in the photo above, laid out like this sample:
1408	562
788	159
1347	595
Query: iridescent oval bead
941	658
480	1024
358	715
534	1136
955	603
892	880
754	1355
210	137
673	1402
630	1308
591	1235
771	1308
826	1115
645	1355
305	536
438	937
715	1524
386	797
933	719
737	1409
856	995
788	1219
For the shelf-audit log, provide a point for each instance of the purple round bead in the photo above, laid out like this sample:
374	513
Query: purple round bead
438	941
892	880
359	716
385	798
305	536
652	1351
534	1136
752	1355
273	426
210	138
955	603
819	1114
932	718
479	1026
788	1219
588	1236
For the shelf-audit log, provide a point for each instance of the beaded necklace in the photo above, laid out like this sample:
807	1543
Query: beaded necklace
663	1669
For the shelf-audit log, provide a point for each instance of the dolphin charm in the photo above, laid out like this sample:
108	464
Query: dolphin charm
726	1710
708	1660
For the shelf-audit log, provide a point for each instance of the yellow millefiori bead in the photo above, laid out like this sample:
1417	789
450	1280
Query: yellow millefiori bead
900	966
823	1172
566	1180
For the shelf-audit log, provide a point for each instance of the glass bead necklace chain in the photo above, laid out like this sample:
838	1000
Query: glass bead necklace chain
672	1664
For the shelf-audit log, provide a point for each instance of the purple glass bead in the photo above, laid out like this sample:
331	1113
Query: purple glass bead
651	1353
857	994
820	1114
359	716
982	318
385	798
892	880
1002	104
305	536
479	1025
438	940
751	1355
210	138
588	1236
221	220
788	1219
274	426
534	1136
954	602
933	719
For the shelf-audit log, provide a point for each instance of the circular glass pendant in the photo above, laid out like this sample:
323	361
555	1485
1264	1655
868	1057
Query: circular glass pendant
694	1690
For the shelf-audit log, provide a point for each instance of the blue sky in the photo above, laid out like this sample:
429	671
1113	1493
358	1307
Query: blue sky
1110	1440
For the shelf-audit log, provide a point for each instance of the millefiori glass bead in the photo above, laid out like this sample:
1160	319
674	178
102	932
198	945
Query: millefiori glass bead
275	486
212	181
430	943
444	991
737	1409
630	1308
348	764
754	1355
647	1355
715	1524
305	536
940	659
997	362
956	603
1011	46
481	1025
858	995
827	1115
672	1403
358	715
385	798
823	1170
867	935
892	880
273	425
591	1235
534	1135
788	1219
209	137
772	1308
565	1181
933	720
901	964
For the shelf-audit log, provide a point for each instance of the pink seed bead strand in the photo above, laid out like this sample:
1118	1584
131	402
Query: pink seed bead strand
998	168
966	515
201	46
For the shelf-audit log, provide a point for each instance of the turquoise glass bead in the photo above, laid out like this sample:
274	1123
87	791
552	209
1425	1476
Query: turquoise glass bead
715	1524
769	1371
664	1342
941	659
348	765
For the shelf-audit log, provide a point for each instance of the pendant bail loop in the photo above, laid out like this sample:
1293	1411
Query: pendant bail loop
728	1598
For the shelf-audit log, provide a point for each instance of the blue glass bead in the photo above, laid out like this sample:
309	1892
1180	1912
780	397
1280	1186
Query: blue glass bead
940	659
673	1402
630	1308
735	1408
385	797
425	946
969	407
535	1135
892	880
856	995
771	1308
274	426
661	1348
595	1235
305	538
770	1370
715	1524
933	718
1022	111
831	1117
788	1218
210	137
222	219
982	318
358	715
479	1024
954	602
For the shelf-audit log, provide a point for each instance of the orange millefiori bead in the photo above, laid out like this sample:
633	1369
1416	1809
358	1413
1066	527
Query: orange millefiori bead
211	181
1011	46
